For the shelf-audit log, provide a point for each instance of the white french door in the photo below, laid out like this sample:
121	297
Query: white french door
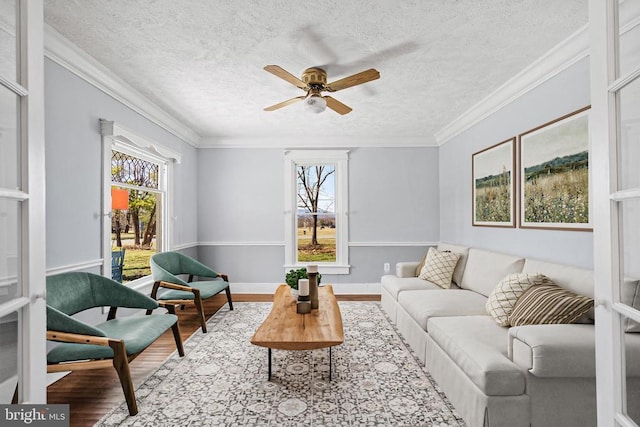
615	145
22	203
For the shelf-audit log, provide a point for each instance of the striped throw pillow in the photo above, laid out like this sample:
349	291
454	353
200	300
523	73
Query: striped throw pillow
548	304
438	267
504	296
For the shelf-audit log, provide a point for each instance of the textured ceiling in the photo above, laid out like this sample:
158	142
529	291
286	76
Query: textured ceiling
202	60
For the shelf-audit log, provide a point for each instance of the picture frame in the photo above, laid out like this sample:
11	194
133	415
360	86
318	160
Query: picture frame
494	185
553	170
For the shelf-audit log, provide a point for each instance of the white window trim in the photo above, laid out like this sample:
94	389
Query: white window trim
117	137
340	159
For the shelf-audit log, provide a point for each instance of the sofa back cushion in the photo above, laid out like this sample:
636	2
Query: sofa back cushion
463	251
485	269
581	281
576	279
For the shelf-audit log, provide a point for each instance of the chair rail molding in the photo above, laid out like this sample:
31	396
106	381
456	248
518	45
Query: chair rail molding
390	244
66	54
83	265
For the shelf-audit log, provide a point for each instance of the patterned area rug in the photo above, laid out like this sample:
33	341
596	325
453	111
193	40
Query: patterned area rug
222	380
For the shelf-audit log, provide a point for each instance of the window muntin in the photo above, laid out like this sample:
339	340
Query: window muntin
138	228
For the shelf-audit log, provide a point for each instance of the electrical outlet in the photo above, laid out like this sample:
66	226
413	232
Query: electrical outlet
387	267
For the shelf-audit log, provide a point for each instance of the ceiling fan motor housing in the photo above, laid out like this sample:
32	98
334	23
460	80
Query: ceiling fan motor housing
314	76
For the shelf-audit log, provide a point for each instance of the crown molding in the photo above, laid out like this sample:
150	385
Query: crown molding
60	50
561	57
311	141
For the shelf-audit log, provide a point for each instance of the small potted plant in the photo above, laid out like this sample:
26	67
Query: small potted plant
294	275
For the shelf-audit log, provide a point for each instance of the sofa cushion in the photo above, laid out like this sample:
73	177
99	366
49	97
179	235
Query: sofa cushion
421	306
549	304
554	350
463	251
504	296
438	267
484	269
478	346
394	285
578	280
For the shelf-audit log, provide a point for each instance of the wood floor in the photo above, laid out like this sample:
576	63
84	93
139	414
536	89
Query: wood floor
91	394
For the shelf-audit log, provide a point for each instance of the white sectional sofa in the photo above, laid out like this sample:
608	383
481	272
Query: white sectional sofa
534	375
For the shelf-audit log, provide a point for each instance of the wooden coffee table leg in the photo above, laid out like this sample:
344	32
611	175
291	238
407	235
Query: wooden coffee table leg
269	363
330	364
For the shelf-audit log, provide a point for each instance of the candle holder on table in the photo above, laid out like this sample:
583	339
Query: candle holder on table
312	274
303	306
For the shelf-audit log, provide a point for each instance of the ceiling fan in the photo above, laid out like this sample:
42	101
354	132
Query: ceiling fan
314	82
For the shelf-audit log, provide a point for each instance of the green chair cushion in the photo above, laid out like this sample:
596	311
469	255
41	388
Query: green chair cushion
207	290
138	332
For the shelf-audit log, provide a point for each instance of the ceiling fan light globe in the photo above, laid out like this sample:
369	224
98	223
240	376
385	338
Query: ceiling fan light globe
315	104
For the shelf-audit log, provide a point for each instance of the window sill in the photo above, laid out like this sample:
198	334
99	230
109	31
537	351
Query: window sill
322	269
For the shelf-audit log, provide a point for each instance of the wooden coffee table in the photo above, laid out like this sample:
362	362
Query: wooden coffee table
284	329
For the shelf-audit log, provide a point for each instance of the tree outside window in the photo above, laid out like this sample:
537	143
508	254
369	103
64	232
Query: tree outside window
316	219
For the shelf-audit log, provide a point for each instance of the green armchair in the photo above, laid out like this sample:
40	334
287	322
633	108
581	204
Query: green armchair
115	342
168	287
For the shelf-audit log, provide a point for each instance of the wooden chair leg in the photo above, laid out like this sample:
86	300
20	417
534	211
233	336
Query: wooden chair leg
203	322
176	332
121	364
228	291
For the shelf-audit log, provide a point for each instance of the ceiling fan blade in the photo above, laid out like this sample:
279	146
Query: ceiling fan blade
285	103
356	79
337	106
278	71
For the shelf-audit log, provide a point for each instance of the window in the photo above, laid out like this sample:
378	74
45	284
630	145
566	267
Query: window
137	176
136	203
316	225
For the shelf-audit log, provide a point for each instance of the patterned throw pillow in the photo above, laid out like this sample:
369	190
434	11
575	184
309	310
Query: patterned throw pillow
438	267
504	296
549	304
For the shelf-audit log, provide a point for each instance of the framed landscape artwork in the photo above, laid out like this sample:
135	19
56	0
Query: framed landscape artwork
494	185
554	174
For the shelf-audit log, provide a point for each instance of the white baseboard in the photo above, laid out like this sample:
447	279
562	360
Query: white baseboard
55	376
338	288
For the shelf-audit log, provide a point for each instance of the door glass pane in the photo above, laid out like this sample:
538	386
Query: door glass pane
629	37
8	50
316	213
629	142
631	376
9	356
8	139
9	250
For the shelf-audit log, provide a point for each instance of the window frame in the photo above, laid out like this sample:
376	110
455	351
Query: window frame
293	159
117	138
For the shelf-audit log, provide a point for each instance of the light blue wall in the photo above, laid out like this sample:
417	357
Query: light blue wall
73	108
562	94
393	195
